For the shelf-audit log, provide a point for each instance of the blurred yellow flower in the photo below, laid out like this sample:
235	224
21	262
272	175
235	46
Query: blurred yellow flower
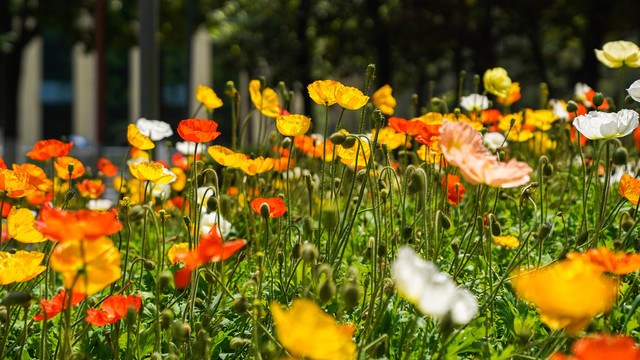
614	54
541	119
390	137
20	226
509	241
541	143
429	155
497	82
154	172
137	139
568	293
350	98
464	118
266	101
208	97
514	95
20	267
383	100
307	331
181	179
177	249
430	118
355	155
87	266
504	123
257	165
225	156
293	125
520	135
323	92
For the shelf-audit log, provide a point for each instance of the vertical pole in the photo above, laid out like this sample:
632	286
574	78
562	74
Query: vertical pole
149	60
100	70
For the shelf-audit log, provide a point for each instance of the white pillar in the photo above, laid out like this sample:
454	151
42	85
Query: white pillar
29	104
201	65
134	84
84	81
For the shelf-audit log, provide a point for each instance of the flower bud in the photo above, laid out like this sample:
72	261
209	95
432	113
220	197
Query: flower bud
350	295
286	142
330	217
326	290
416	183
309	253
382	249
265	210
230	88
273	138
149	265
384	194
237	343
69	195
349	142
16	298
414	99
543	231
296	251
155	356
131	316
166	318
288	97
380	349
208	277
187	221
307	181
443	220
212	204
337	138
582	238
371	70
389	288
455	246
378	118
620	156
627	224
164	279
240	305
407	232
180	332
496	229
598	99
70	168
547	170
281	87
572	106
628	100
4	315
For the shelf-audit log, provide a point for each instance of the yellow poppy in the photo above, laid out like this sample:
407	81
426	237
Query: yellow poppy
20	267
225	156
541	119
350	98
431	156
383	100
208	97
177	249
568	293
137	139
307	331
430	118
541	143
614	54
520	135
356	154
464	118
390	137
181	179
20	226
266	101
509	241
87	266
323	92
154	172
257	165
497	82
293	125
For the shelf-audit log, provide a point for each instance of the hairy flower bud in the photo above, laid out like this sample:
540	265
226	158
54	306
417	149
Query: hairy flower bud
620	156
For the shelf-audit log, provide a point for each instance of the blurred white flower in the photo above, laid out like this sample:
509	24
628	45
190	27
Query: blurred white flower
559	109
208	220
474	102
204	193
154	129
494	140
433	292
188	147
602	125
580	92
634	90
161	191
99	204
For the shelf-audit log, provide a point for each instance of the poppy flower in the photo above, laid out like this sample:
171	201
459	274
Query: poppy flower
305	143
20	267
497	82
137	139
429	155
509	241
588	100
37	176
87	224
156	130
257	165
154	172
602	125
455	190
2	164
513	96
58	302
198	130
63	164
308	332
225	156
618	263
15	183
474	102
114	308
91	189
266	101
615	54
293	125
181	179
383	100
20	225
87	266
323	92
568	293
350	98
210	248
208	97
175	250
276	206
427	134
602	346
634	90
46	149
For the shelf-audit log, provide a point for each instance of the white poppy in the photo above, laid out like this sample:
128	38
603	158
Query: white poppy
99	204
580	92
208	220
494	140
634	90
474	102
433	292
602	125
188	147
154	129
162	191
559	109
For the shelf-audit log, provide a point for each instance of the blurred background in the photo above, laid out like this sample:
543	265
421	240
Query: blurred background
84	69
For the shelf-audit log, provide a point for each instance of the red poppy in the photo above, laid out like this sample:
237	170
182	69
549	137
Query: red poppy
276	206
61	225
107	167
113	309
455	190
57	303
209	249
198	130
6	207
46	149
428	134
92	189
598	347
399	124
583	139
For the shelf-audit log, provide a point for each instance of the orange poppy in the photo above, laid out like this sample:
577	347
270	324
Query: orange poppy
57	303
16	183
87	224
107	167
455	190
209	249
198	130
92	189
64	163
276	206
114	308
257	165
46	149
602	346
629	188
225	156
37	176
2	164
305	143
39	198
607	261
